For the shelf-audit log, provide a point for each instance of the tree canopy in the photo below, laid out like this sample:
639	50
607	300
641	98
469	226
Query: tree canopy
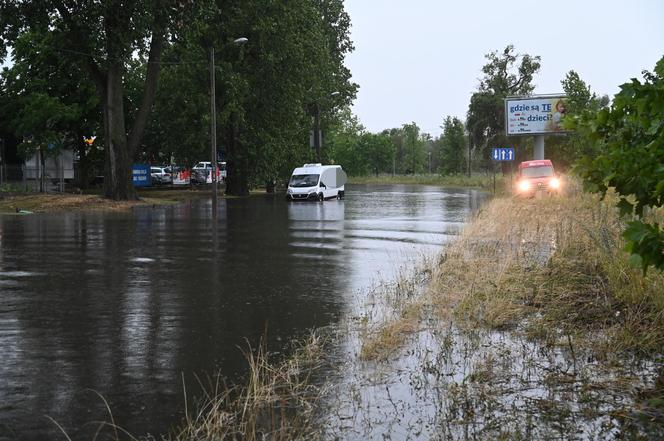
266	89
630	138
506	74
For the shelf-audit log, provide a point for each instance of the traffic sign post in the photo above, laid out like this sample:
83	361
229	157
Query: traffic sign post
501	154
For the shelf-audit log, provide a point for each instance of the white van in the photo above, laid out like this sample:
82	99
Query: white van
316	182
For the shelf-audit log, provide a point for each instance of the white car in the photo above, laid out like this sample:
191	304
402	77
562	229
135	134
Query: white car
203	165
161	175
206	166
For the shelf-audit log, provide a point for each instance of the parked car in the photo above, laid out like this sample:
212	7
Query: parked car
203	165
161	175
206	166
199	176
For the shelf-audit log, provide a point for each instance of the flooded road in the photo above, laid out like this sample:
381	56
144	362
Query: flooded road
127	304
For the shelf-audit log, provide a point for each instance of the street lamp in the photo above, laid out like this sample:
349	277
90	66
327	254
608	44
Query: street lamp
213	128
317	137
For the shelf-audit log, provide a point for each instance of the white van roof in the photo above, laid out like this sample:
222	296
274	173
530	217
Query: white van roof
313	169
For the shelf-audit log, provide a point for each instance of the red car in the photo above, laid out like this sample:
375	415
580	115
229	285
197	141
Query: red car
535	176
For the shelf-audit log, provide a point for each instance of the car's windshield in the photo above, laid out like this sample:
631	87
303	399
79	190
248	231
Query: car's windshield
537	172
304	180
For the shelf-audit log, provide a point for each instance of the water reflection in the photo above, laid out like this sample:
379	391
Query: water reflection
125	304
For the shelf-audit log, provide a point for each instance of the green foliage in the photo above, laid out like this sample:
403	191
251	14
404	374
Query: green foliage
414	149
47	102
403	150
630	136
265	90
645	243
359	152
566	150
452	146
505	74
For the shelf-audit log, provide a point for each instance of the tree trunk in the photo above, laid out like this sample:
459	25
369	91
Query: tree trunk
117	170
237	163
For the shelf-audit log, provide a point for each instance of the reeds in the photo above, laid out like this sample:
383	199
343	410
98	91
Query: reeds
277	402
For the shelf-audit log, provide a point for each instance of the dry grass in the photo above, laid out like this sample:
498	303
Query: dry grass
553	263
276	403
50	203
556	261
391	334
53	203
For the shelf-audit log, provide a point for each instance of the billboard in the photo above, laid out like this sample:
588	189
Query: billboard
534	115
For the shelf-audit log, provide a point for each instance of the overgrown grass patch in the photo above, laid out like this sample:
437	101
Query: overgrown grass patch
559	258
483	181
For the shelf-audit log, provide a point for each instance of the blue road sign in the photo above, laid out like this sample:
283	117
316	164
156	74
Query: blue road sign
141	175
502	154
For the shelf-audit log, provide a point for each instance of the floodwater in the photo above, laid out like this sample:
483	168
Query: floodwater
127	305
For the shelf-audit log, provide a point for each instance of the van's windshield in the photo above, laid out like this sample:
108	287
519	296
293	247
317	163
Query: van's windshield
537	172
304	180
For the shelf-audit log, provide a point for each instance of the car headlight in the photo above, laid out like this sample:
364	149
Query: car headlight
554	183
524	186
289	191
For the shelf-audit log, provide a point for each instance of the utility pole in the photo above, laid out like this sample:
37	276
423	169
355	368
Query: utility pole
538	151
469	139
2	160
213	131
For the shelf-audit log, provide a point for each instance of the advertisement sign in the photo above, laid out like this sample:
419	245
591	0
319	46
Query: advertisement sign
534	115
140	175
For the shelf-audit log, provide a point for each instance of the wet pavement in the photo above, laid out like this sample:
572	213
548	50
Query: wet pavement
129	304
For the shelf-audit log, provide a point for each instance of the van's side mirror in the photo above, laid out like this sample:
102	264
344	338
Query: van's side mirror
322	185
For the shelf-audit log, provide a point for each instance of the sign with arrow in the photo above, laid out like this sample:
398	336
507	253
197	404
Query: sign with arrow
502	154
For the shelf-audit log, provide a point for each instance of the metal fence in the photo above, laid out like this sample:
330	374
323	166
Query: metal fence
17	177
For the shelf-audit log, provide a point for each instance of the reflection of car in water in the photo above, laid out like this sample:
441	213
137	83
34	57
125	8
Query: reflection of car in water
316	182
535	176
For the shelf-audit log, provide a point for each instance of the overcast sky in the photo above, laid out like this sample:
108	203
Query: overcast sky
420	60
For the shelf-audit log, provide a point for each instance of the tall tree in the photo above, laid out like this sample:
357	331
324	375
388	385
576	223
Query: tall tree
49	102
452	146
292	64
414	149
103	37
506	73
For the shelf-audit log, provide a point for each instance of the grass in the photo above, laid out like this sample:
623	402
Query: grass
58	202
277	402
557	261
483	181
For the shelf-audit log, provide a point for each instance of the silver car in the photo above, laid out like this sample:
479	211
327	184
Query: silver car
161	175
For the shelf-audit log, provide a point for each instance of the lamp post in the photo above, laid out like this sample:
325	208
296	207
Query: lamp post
213	123
317	137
